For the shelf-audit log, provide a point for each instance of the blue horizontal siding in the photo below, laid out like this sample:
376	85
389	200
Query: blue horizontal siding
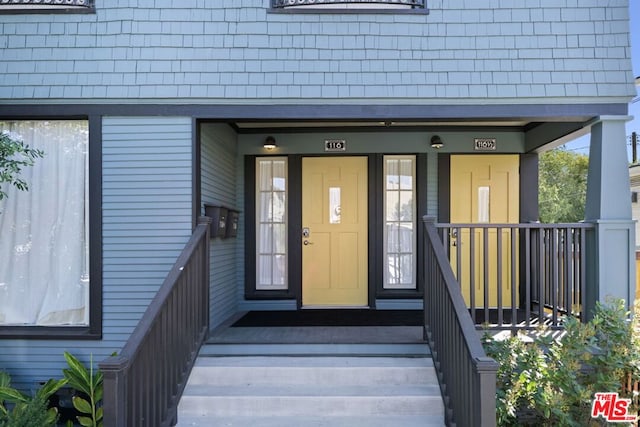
218	177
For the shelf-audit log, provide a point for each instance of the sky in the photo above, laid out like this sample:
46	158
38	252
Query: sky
582	144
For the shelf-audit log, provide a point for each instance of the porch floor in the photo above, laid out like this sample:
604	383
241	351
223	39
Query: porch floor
318	335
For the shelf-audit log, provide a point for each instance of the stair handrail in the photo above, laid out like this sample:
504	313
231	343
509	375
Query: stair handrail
144	382
466	375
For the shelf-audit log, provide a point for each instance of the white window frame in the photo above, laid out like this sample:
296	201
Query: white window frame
388	283
282	254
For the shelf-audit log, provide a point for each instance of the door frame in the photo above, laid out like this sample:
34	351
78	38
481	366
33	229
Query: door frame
375	251
528	205
295	224
366	230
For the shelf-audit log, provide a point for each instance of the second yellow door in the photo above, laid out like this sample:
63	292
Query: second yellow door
334	234
485	189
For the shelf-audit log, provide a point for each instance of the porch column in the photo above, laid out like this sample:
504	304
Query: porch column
611	266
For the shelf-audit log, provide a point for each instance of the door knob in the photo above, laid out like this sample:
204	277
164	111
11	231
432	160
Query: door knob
306	243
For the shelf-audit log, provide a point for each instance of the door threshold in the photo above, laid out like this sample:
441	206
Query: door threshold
335	307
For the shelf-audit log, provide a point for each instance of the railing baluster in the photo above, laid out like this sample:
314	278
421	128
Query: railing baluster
472	272
527	277
568	269
514	237
583	273
485	263
542	274
554	283
499	275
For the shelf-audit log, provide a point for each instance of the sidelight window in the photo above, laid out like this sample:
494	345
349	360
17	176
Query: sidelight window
400	222
271	223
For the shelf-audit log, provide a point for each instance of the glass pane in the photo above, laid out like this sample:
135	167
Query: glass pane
392	175
279	207
406	174
264	175
279	175
279	270
393	205
279	238
393	269
406	269
265	238
334	205
483	204
392	237
264	270
405	237
406	206
265	213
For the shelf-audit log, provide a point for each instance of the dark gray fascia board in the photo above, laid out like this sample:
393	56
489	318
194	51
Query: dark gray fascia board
311	112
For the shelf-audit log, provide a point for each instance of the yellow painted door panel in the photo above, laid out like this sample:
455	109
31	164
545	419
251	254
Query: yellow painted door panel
485	190
334	237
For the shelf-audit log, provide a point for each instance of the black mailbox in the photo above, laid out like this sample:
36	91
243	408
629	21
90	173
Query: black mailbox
218	215
232	223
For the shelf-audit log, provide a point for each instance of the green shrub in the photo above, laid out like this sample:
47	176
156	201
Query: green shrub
27	411
551	382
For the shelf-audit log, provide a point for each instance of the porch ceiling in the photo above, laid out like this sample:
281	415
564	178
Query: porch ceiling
540	133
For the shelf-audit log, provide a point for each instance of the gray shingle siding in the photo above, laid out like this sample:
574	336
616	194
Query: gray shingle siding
238	51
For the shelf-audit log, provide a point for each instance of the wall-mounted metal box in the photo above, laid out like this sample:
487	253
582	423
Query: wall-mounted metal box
232	223
218	215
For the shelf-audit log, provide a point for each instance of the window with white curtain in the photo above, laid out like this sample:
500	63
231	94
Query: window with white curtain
400	222
271	223
44	244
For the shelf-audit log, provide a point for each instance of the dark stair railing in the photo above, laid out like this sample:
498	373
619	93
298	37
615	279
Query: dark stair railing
143	384
467	376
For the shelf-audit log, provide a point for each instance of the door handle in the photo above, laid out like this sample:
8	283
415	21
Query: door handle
306	243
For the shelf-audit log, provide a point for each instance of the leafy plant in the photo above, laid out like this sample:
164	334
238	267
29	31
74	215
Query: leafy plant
91	385
28	411
551	382
15	155
563	186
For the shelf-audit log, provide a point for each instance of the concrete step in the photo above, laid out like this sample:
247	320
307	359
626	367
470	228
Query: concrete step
297	421
361	371
372	350
311	391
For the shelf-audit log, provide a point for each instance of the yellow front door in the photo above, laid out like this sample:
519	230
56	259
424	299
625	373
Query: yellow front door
334	234
485	189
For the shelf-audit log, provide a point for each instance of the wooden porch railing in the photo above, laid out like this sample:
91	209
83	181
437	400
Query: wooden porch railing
143	384
467	376
516	276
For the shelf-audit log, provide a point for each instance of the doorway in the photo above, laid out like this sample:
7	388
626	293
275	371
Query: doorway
484	190
334	232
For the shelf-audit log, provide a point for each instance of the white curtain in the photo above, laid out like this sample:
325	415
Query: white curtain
44	238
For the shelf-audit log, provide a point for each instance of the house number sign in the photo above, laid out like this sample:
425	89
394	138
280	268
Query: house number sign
484	144
332	145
